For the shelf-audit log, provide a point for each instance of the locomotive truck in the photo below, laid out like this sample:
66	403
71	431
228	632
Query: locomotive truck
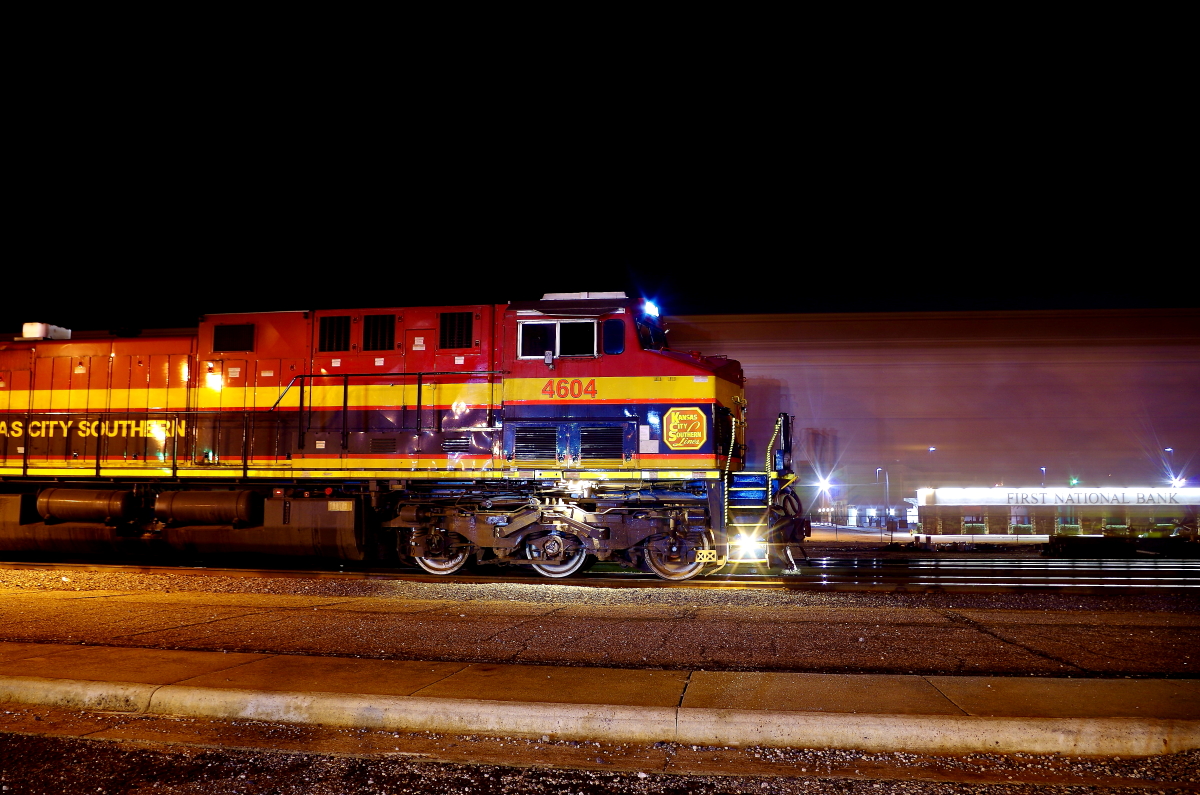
549	434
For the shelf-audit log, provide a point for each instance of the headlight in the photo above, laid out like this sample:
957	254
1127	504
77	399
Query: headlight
748	546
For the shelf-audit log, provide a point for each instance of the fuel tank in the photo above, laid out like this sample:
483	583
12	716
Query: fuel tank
86	505
294	527
208	507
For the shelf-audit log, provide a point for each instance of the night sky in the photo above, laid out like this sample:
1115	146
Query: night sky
157	283
152	235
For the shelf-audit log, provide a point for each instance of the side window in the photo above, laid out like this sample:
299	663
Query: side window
334	333
577	338
233	338
379	332
537	338
560	337
614	336
456	330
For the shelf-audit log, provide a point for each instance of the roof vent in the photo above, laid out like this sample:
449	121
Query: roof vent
43	331
583	296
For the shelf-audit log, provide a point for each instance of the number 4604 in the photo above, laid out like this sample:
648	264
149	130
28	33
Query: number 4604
562	388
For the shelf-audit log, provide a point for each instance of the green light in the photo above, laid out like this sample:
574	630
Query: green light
1074	481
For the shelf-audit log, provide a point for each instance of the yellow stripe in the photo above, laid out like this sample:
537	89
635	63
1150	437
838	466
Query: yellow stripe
85	400
330	396
649	389
384	474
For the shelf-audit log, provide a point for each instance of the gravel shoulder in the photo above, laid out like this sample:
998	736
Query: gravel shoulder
44	750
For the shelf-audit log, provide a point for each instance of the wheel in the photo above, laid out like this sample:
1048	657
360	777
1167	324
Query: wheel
674	559
450	560
567	567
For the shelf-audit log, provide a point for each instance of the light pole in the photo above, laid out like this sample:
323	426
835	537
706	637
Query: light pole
1043	476
887	500
887	507
1170	451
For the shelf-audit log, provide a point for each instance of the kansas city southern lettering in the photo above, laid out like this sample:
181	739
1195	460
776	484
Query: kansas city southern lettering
684	429
158	429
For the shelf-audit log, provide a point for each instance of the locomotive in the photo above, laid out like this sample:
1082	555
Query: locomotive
549	434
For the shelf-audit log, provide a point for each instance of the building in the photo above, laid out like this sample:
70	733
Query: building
888	404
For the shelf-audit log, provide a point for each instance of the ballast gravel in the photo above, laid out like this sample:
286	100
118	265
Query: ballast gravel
33	765
535	591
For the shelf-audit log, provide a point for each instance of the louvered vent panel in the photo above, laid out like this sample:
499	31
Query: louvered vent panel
379	332
334	333
455	330
532	444
383	445
456	445
604	442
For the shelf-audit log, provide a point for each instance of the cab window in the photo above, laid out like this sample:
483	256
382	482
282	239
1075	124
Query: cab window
614	336
560	337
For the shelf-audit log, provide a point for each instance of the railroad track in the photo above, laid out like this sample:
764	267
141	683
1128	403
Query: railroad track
913	575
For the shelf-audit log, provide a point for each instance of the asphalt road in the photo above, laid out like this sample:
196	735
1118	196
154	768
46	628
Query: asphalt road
1040	634
44	750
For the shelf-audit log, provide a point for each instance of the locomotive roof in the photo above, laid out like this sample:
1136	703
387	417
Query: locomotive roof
583	307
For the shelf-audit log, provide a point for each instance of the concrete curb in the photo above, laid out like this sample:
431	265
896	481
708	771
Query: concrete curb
413	713
612	723
76	693
938	734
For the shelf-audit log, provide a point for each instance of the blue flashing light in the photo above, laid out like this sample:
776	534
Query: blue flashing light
650	308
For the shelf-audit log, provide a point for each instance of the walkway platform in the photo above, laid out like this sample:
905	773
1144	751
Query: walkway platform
922	714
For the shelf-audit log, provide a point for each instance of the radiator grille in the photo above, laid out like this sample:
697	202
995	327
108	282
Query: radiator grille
534	444
455	330
334	333
604	442
456	445
233	338
383	445
379	332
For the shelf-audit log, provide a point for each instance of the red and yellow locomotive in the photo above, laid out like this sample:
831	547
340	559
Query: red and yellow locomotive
547	433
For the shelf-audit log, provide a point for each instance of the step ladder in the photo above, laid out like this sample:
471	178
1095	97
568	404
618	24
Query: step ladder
748	515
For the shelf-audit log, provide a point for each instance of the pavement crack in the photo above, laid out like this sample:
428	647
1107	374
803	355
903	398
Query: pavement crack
518	625
683	693
1045	655
213	620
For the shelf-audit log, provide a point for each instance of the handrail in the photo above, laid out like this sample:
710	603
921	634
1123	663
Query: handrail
301	430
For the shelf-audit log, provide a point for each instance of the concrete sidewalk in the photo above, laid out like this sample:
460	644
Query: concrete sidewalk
925	714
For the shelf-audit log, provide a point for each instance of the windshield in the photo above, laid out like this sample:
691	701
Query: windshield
650	334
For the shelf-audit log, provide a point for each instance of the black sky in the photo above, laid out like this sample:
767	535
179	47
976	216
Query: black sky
254	207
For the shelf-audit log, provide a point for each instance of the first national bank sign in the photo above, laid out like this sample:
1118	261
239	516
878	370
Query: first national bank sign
1059	497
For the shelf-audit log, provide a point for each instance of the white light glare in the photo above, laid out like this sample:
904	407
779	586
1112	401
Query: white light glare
748	546
824	484
651	308
1178	482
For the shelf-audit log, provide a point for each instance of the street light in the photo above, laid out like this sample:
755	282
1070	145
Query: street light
887	501
1043	476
